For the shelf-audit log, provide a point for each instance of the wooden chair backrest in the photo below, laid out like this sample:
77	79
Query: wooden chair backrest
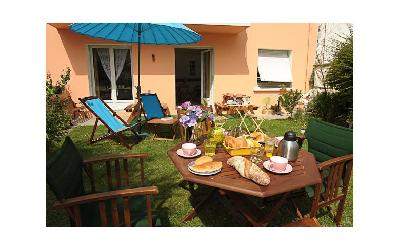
339	171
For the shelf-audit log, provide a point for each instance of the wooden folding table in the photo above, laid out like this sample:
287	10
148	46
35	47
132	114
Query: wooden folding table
229	183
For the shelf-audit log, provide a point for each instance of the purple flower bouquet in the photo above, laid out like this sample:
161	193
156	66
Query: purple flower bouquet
194	114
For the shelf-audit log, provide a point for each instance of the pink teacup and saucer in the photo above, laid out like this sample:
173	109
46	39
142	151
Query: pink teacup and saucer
188	150
278	164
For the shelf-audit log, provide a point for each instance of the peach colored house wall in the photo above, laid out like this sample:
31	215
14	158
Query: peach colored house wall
235	59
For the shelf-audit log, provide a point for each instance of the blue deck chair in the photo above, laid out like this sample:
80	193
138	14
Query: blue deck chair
155	116
114	123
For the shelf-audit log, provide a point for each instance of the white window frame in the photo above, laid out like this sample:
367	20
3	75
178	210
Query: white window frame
114	103
266	85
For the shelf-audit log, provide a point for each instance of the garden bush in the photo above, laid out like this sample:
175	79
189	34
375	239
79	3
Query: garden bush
289	100
57	119
337	106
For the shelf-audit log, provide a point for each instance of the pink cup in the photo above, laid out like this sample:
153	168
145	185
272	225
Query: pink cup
189	148
278	163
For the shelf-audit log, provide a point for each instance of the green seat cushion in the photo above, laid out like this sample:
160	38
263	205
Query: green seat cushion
327	141
144	223
310	189
90	213
64	172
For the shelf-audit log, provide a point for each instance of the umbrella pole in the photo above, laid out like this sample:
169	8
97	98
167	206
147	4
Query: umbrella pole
139	88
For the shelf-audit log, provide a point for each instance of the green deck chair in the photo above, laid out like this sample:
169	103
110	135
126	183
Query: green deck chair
327	141
332	147
121	207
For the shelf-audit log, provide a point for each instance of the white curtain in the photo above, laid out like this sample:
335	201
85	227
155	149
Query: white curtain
274	65
119	61
104	55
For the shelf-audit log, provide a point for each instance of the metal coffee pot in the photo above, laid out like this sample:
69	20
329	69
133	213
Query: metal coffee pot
289	146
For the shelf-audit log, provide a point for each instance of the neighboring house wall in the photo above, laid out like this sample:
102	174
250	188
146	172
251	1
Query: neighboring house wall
235	60
328	35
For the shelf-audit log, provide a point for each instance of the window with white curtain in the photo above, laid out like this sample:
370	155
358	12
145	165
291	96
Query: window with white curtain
274	68
111	72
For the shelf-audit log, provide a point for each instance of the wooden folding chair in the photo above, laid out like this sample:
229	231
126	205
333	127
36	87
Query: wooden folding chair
332	147
120	205
114	123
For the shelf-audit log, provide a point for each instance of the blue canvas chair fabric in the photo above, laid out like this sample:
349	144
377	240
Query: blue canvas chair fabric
152	106
101	110
64	176
154	114
114	123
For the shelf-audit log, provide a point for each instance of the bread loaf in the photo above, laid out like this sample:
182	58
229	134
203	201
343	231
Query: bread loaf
202	160
249	170
235	143
230	141
207	167
258	136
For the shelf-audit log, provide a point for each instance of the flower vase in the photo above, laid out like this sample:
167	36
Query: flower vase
198	133
188	134
194	134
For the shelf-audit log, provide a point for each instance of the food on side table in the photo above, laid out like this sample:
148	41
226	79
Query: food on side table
249	170
202	160
207	167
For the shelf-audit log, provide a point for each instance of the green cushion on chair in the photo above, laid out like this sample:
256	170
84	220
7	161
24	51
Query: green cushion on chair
310	189
327	141
90	213
64	172
144	223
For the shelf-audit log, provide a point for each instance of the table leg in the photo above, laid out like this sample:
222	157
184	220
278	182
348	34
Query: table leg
194	211
267	218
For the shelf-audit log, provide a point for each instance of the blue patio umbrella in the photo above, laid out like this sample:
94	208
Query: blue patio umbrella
140	33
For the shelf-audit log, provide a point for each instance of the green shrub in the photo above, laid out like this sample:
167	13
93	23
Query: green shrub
289	100
337	107
57	119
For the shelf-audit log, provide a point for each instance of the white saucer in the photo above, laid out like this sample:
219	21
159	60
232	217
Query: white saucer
267	165
203	174
167	118
180	153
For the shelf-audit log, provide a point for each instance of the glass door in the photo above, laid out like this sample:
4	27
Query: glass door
206	81
112	75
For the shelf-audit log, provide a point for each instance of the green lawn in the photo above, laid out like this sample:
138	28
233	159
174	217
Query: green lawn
174	201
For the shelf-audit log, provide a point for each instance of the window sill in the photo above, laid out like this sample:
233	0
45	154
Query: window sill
259	89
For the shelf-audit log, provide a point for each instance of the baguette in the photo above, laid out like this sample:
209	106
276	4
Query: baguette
249	170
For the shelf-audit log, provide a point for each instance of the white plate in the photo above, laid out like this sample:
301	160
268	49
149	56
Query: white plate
202	174
267	165
180	153
167	118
